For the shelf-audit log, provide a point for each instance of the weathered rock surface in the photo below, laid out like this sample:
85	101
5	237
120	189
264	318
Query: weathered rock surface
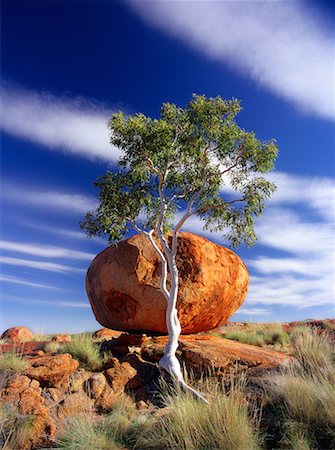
23	348
218	355
106	333
25	394
61	338
123	285
51	371
17	334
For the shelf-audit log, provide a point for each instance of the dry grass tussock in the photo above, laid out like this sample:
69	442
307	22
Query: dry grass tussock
83	348
303	395
184	423
12	361
261	335
15	428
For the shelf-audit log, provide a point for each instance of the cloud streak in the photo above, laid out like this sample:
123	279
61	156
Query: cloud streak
15	280
281	45
75	126
49	200
41	265
45	251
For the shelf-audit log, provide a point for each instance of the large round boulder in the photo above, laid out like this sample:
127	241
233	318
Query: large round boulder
123	285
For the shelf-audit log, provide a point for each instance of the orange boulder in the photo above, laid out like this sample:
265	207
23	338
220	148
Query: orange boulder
123	285
17	334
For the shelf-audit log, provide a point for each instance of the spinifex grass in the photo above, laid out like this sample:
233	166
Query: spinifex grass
83	348
15	428
270	334
304	394
12	361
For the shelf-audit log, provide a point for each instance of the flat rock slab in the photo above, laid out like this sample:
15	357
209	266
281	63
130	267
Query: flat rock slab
23	348
219	355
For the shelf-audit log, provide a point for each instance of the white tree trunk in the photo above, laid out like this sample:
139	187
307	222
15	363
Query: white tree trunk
169	362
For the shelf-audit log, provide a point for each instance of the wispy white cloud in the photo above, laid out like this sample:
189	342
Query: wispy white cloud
16	280
76	126
282	45
45	250
65	233
317	193
291	290
41	265
57	303
49	200
299	224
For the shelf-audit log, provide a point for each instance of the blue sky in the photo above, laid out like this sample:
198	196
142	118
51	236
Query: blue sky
68	65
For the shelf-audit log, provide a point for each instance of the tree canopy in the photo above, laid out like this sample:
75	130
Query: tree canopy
196	157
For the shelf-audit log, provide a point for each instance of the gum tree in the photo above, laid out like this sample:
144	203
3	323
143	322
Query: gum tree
192	161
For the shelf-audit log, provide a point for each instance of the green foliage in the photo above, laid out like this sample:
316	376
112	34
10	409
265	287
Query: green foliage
303	395
15	428
261	336
12	361
184	423
189	424
84	350
186	157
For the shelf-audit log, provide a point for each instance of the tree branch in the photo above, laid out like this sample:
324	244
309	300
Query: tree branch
164	265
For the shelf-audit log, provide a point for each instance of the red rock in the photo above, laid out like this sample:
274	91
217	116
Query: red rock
119	375
95	385
25	394
61	338
24	348
217	355
123	285
51	371
106	333
17	334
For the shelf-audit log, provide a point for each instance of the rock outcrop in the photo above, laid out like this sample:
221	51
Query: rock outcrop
17	334
25	394
51	371
217	355
123	285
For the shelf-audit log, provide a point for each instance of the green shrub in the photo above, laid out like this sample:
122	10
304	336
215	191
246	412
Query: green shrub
82	433
314	352
85	350
12	361
189	424
303	394
261	335
53	347
15	428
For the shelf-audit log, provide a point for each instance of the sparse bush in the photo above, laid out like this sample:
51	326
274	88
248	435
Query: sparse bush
41	337
15	428
85	350
314	352
261	336
53	347
83	432
189	424
303	395
12	361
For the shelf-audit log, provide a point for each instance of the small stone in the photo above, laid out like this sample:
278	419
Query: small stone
61	338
